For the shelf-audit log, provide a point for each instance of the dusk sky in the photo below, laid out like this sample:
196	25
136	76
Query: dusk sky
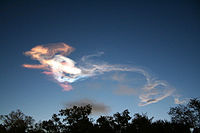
142	56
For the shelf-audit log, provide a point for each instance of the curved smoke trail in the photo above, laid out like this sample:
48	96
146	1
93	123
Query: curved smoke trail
53	60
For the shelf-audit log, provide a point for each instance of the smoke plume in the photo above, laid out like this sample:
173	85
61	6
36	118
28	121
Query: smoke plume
97	107
54	61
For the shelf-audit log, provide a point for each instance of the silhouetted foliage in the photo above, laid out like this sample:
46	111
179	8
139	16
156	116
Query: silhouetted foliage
188	115
76	120
141	123
2	129
106	124
161	126
16	122
121	121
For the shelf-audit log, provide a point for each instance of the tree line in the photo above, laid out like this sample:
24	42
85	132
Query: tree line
184	119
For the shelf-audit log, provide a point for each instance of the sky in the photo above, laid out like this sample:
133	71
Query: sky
131	45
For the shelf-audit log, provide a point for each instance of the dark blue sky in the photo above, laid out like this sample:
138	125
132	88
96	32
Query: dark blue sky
162	37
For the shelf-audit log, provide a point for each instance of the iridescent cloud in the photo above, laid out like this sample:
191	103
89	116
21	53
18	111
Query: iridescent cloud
53	60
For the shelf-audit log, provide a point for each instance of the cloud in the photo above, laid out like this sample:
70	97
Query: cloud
154	91
177	101
86	57
97	107
150	97
34	66
118	77
125	90
66	86
53	60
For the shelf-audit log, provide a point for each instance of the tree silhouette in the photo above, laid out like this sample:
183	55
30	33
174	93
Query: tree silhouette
2	129
16	122
121	121
194	105
141	123
161	126
76	120
51	126
188	115
106	124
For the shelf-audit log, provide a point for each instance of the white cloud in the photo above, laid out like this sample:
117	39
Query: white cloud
125	90
65	71
178	101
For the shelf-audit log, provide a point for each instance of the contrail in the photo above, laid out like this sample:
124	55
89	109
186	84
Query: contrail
53	60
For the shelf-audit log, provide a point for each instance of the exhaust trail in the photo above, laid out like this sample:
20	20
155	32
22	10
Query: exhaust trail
54	61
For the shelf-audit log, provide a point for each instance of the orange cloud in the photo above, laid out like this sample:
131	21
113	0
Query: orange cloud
66	86
34	66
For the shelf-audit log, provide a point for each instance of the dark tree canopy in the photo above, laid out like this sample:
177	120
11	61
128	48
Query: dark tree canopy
189	114
16	122
77	120
106	124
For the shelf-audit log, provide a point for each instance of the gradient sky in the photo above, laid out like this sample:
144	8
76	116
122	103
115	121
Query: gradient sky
161	37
